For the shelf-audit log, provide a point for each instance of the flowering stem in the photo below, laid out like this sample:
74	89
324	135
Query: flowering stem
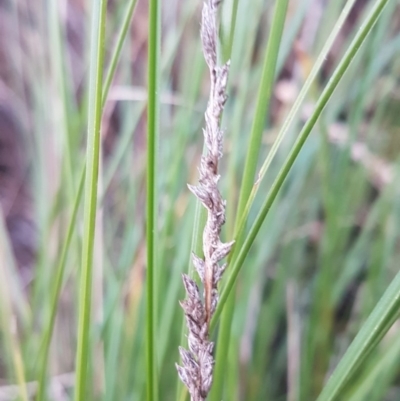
197	370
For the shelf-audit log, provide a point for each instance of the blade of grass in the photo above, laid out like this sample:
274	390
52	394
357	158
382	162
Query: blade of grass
377	325
108	80
58	66
229	43
90	205
130	8
340	70
263	100
151	204
43	359
294	111
61	266
382	370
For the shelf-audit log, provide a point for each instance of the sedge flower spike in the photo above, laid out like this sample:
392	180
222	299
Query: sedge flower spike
198	362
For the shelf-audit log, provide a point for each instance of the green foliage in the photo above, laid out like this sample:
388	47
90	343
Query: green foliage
309	302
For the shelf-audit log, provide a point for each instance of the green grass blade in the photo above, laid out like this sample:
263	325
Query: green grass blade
377	325
151	204
263	100
58	66
43	359
322	101
264	96
90	205
118	48
294	111
229	45
380	370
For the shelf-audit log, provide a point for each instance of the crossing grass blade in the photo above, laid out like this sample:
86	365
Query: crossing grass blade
355	45
377	325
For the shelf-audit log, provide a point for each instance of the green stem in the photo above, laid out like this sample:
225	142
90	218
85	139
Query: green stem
90	206
151	225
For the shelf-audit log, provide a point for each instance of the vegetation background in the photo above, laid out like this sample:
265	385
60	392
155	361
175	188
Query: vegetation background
91	257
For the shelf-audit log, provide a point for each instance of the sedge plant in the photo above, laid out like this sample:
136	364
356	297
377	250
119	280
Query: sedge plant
110	97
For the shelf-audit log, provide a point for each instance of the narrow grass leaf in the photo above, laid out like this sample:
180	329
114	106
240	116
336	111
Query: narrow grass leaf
293	112
43	358
130	8
366	27
262	108
151	206
377	325
90	205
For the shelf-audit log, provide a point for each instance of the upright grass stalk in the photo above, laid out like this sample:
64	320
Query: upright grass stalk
43	357
340	70
262	108
90	206
151	207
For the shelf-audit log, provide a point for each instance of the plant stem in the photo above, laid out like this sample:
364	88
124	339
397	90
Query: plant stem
151	226
90	205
